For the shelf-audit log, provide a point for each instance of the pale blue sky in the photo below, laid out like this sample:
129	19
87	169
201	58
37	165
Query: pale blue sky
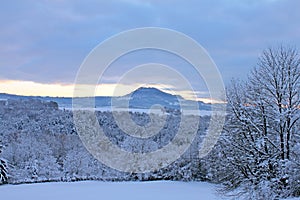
45	41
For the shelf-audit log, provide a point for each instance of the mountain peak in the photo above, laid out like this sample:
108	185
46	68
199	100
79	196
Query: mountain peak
151	92
148	89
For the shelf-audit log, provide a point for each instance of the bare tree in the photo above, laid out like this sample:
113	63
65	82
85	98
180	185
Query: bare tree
263	122
278	80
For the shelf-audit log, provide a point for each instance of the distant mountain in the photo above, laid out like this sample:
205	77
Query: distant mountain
146	97
151	91
142	98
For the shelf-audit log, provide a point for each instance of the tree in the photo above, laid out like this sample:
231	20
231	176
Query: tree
262	127
278	77
3	168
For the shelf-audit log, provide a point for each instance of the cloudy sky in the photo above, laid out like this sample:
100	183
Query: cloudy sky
43	43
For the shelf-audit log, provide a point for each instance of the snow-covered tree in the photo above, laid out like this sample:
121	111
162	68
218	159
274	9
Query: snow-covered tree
262	128
3	167
41	144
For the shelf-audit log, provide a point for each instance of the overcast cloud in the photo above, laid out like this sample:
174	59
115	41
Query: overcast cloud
45	41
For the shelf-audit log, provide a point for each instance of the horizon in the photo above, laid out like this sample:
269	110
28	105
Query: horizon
204	100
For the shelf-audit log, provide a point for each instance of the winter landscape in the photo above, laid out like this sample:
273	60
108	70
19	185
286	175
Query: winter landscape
120	100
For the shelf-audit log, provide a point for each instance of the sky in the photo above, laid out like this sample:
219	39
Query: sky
43	43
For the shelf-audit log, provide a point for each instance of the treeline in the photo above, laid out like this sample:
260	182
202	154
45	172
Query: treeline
41	144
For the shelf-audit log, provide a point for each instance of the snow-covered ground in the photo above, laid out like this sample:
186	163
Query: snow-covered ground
158	190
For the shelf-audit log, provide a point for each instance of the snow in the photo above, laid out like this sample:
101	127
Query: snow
158	190
142	110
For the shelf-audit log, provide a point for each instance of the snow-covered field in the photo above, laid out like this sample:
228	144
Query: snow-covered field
158	190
